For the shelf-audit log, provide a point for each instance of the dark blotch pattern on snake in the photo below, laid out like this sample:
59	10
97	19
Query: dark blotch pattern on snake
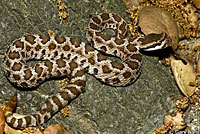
64	56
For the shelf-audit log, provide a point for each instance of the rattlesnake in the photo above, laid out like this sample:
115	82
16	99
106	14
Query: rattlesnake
64	56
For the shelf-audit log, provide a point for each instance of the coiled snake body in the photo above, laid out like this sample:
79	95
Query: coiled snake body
63	56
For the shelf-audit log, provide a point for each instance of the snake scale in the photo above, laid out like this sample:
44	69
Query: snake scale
69	57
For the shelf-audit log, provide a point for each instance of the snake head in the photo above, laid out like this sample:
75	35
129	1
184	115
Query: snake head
153	41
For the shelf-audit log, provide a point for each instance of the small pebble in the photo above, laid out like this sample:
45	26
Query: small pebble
29	97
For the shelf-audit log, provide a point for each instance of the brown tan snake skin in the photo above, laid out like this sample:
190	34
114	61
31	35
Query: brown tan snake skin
63	56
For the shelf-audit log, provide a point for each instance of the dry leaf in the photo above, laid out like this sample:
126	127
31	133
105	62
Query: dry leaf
194	17
196	3
157	20
130	3
184	74
163	129
2	121
32	130
177	121
55	129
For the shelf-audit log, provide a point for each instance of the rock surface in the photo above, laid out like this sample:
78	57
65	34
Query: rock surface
138	108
